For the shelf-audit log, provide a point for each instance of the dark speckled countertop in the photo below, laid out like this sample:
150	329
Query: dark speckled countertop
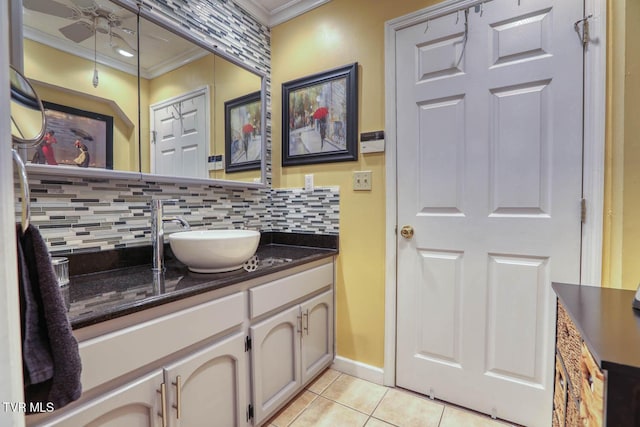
105	294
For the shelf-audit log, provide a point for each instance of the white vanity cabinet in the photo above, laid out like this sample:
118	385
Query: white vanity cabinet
295	340
127	373
209	387
229	357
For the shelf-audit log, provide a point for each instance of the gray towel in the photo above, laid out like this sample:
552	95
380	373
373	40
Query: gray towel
50	353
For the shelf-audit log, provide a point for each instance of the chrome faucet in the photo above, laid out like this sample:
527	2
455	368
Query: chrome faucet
157	231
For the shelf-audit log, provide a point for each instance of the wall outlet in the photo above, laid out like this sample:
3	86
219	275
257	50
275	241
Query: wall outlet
362	181
308	182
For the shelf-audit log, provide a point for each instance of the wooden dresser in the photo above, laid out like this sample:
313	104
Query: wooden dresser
597	379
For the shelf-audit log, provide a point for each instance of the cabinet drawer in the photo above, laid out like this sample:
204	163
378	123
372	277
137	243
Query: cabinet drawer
560	393
111	355
592	394
266	298
568	344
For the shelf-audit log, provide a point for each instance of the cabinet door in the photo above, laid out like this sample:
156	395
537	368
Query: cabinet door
275	361
317	334
136	404
210	386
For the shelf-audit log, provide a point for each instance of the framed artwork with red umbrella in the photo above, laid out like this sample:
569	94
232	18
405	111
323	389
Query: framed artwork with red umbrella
243	138
320	117
74	137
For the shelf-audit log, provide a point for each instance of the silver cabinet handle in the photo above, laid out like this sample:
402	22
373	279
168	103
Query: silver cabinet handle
305	315
178	405
163	404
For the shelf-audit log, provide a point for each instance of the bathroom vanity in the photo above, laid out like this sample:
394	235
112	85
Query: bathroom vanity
231	347
597	379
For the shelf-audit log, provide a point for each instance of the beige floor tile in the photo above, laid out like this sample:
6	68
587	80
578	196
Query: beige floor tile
407	410
355	393
454	417
321	383
293	409
325	413
374	422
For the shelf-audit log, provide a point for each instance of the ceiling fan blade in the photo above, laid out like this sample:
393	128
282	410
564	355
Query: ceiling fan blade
50	8
127	30
125	41
78	31
154	37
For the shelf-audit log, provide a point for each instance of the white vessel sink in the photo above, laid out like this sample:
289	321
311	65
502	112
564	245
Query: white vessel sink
214	251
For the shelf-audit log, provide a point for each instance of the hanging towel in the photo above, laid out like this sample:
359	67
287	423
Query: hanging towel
50	353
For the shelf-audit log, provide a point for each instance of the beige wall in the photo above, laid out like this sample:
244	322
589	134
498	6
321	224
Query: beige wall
336	34
621	247
52	66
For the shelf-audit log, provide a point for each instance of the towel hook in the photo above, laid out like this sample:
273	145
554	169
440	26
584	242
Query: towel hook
24	189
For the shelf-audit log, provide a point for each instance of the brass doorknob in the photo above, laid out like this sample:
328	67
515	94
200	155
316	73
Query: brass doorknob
406	231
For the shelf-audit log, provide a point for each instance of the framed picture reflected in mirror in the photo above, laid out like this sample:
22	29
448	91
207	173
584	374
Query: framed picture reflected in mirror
243	136
74	137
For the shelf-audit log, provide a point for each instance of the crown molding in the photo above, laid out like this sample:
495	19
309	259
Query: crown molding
282	13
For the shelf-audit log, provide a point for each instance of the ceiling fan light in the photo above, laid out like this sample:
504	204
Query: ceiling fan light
123	52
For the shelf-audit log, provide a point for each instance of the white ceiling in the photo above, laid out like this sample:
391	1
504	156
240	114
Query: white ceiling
274	12
160	49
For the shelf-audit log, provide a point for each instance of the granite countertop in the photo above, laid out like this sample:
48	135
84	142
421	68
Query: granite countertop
94	297
607	322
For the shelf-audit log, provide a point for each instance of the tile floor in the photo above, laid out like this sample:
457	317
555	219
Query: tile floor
335	399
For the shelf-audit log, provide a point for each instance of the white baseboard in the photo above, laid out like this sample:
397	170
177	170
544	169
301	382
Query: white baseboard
359	370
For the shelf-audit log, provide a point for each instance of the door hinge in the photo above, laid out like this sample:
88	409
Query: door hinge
153	136
247	343
583	33
249	412
583	210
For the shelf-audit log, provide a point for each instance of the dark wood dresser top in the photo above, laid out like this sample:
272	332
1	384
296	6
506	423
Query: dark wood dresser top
608	324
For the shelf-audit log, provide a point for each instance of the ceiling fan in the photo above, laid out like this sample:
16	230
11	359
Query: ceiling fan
90	19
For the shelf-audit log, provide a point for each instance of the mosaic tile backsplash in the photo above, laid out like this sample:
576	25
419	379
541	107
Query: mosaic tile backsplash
299	211
85	214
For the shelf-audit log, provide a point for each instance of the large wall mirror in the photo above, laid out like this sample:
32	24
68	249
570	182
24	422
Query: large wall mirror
132	93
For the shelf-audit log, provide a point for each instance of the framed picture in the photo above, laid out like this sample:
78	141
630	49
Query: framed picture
74	137
243	140
320	117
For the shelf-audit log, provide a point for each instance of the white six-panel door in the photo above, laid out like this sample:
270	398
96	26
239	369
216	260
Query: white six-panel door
489	177
180	136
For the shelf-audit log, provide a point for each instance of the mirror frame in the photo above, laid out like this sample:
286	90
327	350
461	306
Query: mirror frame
146	12
20	140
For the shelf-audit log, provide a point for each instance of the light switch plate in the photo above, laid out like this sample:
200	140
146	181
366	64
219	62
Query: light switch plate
362	180
308	182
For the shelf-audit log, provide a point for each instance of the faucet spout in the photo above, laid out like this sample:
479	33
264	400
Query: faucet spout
177	219
157	231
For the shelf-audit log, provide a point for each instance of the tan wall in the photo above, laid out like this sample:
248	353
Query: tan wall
63	70
621	247
336	34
